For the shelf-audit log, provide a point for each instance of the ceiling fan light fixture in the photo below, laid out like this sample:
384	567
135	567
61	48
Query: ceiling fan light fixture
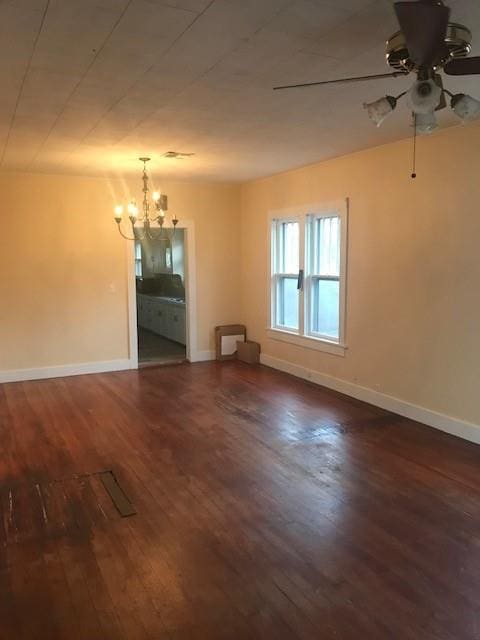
424	96
425	123
377	111
465	107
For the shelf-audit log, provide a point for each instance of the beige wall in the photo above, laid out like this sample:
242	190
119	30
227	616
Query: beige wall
414	268
63	281
413	321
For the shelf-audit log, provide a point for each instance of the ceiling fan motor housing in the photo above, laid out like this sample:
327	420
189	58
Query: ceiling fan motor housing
457	45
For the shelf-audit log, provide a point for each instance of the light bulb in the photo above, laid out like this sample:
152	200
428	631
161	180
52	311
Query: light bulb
156	196
118	212
132	209
465	107
425	122
377	111
424	96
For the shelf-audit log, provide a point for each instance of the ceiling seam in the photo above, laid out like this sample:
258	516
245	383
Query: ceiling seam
179	93
22	84
197	16
90	65
173	6
145	72
207	71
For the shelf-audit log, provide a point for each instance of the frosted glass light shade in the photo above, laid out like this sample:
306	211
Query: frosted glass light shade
424	96
377	111
465	107
425	122
132	209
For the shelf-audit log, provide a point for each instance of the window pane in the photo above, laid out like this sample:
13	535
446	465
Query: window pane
287	303
138	250
327	235
289	247
326	307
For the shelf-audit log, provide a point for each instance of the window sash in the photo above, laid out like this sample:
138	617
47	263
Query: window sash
330	266
283	314
315	274
278	274
314	308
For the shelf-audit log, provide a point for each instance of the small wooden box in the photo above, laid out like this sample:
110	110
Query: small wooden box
248	351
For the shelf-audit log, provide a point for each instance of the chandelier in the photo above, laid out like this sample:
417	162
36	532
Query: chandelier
145	228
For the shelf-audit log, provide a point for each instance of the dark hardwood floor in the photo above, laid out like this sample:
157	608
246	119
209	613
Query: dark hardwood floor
266	508
155	348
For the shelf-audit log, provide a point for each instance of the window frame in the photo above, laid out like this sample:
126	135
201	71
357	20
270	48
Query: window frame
138	259
306	216
277	275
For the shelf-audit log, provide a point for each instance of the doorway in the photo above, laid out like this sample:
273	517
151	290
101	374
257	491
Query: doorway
160	298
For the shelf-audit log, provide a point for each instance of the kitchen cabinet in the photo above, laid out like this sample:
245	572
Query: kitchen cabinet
162	316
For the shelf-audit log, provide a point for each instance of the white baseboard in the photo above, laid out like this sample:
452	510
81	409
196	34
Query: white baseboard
467	430
202	356
60	371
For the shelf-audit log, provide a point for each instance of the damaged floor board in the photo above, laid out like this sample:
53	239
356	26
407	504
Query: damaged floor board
116	493
60	507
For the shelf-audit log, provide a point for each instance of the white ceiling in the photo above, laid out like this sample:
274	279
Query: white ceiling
89	85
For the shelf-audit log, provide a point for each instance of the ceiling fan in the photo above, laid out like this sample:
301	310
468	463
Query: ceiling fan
426	44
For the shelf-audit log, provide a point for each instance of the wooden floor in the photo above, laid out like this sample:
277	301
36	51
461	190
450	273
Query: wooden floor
266	508
155	348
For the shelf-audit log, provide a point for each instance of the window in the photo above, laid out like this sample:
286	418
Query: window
323	282
308	264
287	265
138	259
168	258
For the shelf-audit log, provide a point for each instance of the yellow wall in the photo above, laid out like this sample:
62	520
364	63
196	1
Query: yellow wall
63	295
413	321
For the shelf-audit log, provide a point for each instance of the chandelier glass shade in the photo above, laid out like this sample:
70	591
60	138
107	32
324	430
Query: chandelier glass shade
145	225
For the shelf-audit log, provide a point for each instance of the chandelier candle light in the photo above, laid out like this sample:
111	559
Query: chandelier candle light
160	204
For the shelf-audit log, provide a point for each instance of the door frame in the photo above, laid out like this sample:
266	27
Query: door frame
190	295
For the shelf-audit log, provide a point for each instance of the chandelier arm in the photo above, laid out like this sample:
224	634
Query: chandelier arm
123	234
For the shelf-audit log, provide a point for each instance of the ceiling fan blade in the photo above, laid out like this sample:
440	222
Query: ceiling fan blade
463	67
395	74
424	25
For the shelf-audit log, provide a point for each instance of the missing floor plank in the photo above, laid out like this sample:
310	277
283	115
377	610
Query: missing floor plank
49	509
117	495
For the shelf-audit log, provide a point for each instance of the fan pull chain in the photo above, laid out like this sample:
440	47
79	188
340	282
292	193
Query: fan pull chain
414	175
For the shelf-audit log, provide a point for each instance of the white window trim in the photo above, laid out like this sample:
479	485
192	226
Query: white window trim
274	275
300	214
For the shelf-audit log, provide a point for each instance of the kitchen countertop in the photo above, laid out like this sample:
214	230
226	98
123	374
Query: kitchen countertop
175	301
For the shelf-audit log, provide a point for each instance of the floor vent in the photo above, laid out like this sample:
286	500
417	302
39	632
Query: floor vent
74	506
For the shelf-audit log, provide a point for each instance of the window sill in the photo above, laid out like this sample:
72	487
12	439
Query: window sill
317	344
